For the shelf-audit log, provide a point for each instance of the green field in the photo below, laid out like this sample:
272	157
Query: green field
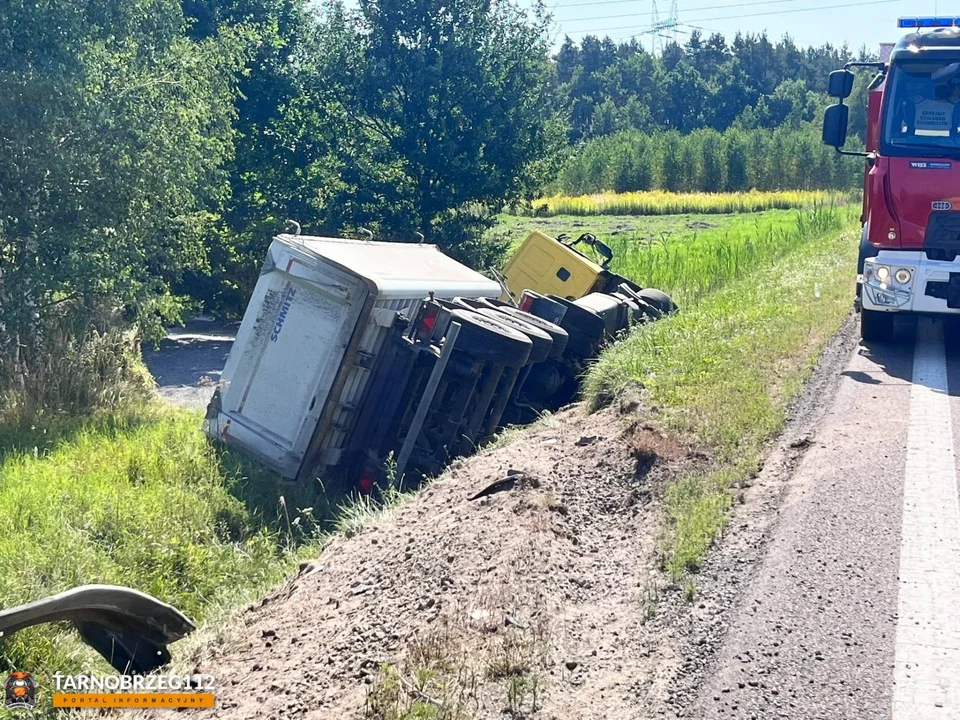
687	255
136	496
640	227
661	202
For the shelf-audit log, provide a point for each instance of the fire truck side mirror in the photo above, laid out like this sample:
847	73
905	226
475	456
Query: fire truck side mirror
840	84
835	125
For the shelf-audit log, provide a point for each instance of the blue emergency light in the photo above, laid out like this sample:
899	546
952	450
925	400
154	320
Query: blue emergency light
928	22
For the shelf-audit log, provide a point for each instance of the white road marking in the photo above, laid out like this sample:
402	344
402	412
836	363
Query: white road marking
927	664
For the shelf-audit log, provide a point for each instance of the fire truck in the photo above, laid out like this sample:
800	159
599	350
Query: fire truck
911	196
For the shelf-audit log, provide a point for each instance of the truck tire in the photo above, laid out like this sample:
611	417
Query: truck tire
647	311
876	326
542	343
556	333
488	339
658	300
478	303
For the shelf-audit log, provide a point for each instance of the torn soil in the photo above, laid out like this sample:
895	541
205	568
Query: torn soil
533	597
524	583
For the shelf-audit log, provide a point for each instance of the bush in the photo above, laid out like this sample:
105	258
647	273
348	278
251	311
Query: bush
71	371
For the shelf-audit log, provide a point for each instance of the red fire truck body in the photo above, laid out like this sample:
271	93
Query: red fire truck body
911	201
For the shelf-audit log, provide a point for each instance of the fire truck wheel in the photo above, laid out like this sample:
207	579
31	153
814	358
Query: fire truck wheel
541	341
490	340
876	326
557	333
658	300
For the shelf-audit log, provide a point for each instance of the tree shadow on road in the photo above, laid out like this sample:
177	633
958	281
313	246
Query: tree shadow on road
186	358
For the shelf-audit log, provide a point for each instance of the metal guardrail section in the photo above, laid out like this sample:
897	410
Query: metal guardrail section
130	629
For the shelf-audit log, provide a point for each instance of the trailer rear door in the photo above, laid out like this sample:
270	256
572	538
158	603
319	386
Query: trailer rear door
293	337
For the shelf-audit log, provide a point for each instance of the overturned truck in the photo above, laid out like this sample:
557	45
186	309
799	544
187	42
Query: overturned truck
357	358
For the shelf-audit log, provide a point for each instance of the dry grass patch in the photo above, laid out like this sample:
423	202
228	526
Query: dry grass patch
468	653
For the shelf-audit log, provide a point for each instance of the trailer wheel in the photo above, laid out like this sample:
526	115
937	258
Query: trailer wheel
480	303
486	338
557	333
876	326
542	342
661	303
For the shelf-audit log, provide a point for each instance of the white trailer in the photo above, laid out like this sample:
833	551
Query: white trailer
298	371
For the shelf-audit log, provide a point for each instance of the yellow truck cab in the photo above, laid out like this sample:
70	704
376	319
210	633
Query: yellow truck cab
547	266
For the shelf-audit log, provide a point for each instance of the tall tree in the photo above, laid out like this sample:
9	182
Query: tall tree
113	129
459	94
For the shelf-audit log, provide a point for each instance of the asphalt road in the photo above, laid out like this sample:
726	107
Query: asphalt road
854	611
188	363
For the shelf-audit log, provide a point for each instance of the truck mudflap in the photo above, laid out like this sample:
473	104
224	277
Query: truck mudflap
908	281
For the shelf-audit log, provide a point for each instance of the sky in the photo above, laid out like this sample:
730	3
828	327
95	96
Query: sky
808	22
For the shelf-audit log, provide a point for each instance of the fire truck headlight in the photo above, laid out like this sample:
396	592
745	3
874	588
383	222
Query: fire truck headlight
883	273
903	276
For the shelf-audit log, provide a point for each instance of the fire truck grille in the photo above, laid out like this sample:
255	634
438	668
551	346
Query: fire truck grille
942	239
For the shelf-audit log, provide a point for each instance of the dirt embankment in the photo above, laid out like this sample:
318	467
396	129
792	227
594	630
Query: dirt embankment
533	598
536	597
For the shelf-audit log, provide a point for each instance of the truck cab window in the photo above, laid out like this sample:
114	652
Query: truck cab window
923	109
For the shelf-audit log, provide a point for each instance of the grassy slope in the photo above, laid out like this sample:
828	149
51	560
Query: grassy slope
137	498
726	369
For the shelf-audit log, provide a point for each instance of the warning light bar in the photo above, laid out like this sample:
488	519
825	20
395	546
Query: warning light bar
928	22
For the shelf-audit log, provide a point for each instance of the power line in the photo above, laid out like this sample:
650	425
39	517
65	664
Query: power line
685	9
752	15
728	6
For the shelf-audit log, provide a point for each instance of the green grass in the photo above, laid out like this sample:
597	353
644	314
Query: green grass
646	248
693	264
725	369
136	497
